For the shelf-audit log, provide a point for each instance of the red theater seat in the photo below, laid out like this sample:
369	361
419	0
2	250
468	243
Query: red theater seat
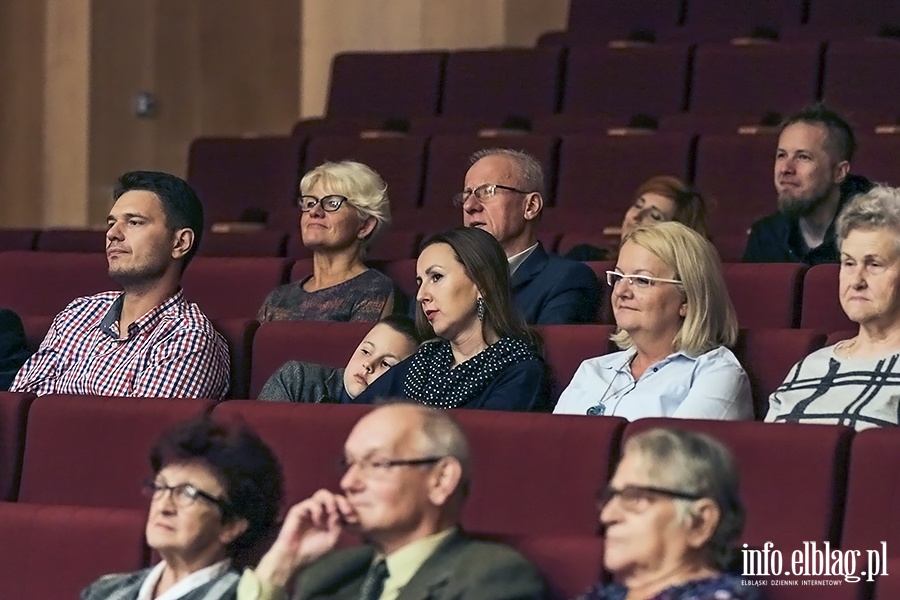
17	239
71	240
769	354
320	342
536	474
64	276
783	285
13	409
403	274
232	288
307	438
613	81
383	85
821	303
245	179
872	515
240	243
567	346
94	451
520	82
773	460
239	335
57	551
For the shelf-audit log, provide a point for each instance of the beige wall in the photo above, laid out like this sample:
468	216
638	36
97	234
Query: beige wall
218	67
333	26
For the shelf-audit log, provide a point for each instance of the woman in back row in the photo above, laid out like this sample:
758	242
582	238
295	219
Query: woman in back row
675	322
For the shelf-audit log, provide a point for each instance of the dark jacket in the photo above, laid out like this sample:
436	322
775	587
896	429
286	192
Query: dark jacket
459	568
553	290
777	238
13	347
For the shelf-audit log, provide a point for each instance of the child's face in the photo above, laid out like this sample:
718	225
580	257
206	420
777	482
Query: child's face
382	348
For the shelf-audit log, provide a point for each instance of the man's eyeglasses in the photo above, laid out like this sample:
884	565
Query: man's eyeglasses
373	468
638	281
483	192
637	498
183	494
329	203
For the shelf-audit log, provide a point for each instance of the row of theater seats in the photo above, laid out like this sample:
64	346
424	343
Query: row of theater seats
711	20
598	79
535	477
40	284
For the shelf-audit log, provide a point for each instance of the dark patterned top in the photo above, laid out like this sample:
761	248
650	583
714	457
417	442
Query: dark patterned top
433	380
721	587
824	388
362	298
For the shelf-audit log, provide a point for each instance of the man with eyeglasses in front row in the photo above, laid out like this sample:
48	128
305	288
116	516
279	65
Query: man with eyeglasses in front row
405	482
503	196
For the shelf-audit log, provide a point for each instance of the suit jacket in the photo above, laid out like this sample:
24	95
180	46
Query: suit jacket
553	290
125	586
459	568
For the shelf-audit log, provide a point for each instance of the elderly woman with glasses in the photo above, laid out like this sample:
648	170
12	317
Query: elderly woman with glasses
215	493
671	517
854	382
343	209
675	321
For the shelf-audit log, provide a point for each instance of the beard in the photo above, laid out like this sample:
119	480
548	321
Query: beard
137	276
795	207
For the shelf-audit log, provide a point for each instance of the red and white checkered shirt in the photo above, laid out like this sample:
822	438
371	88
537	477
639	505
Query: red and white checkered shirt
170	352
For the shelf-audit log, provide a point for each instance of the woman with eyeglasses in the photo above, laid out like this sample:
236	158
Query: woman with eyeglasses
674	324
344	208
480	352
215	493
671	517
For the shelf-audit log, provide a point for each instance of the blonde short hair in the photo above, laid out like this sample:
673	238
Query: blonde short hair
710	320
364	188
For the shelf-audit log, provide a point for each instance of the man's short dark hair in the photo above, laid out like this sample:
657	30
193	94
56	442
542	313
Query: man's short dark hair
840	134
180	203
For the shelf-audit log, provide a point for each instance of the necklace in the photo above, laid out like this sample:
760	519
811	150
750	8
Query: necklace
847	347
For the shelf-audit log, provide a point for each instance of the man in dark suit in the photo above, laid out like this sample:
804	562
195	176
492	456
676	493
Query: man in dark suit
13	347
406	479
503	195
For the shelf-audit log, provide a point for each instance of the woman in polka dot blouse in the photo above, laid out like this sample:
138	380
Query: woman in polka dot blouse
482	354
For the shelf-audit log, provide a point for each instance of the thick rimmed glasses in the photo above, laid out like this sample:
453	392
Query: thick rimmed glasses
329	203
637	498
483	192
183	495
638	281
373	468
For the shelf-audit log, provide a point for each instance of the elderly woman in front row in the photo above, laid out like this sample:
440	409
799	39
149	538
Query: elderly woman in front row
671	518
855	382
675	321
215	493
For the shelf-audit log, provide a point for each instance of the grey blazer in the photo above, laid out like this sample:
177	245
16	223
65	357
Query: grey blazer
459	568
125	586
304	382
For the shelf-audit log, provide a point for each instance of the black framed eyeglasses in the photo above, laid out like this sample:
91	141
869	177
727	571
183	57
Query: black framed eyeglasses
183	495
329	203
484	192
636	498
374	468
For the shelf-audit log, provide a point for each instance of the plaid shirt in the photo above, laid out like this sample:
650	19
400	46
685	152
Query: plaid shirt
170	352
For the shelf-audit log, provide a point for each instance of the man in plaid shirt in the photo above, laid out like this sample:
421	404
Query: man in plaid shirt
146	341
